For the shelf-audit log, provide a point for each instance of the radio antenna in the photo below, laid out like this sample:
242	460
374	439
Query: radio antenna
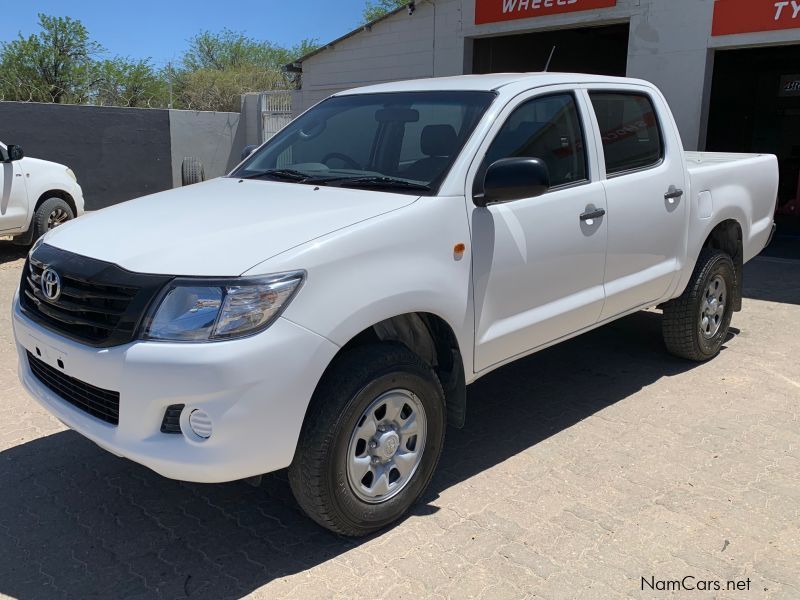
549	60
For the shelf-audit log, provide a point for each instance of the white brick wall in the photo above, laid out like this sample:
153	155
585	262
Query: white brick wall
399	47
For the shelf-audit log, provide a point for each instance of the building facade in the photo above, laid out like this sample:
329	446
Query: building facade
729	68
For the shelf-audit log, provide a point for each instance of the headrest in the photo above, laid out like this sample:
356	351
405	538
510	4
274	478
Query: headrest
438	140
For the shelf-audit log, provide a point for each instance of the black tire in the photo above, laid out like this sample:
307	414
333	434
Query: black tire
318	473
192	171
51	213
681	325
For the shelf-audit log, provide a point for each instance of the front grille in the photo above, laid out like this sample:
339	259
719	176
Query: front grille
89	311
100	403
100	303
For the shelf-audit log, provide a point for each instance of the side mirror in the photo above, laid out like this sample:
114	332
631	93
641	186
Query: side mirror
248	150
14	153
513	179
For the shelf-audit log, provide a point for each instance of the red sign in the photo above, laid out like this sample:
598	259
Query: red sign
492	11
746	16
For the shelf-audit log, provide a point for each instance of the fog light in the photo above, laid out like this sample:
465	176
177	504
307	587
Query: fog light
200	423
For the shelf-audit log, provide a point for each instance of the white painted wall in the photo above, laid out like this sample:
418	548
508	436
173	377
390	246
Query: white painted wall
670	44
399	47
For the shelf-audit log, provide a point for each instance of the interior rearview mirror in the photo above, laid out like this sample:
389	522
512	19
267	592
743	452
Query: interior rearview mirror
511	179
397	114
14	153
248	150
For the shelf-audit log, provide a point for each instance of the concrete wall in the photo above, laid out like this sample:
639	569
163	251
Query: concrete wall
251	126
122	153
116	153
670	44
213	137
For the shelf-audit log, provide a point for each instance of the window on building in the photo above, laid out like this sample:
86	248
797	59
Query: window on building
629	129
547	128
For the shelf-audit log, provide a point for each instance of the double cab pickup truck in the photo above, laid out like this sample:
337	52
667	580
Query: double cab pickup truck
35	195
325	305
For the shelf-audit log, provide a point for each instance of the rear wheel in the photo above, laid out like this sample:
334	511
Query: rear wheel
696	324
371	441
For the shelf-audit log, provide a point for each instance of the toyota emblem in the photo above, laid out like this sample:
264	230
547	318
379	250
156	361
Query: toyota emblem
51	285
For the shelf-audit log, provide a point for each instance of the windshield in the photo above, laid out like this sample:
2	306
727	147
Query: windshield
404	141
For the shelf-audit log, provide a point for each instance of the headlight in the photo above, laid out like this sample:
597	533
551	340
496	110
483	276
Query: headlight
71	174
197	310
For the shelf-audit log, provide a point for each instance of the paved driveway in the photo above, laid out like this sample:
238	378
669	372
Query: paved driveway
582	470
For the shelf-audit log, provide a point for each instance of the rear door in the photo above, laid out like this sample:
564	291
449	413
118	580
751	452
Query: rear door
537	266
644	177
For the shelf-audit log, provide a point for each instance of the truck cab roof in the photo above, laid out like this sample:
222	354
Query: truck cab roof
491	82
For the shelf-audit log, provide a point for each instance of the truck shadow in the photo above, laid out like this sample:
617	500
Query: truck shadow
10	252
77	521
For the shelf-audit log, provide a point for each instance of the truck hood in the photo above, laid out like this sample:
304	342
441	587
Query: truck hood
32	163
218	228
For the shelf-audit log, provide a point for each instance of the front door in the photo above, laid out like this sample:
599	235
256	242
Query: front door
537	265
13	195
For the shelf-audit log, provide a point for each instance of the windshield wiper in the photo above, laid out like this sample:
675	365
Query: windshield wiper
372	181
287	174
383	182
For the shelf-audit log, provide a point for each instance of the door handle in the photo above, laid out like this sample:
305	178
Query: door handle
593	214
673	193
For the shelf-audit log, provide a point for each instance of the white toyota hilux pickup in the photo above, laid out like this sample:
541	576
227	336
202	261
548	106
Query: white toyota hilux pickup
35	195
324	306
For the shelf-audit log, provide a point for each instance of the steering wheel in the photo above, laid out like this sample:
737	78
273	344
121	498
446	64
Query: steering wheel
343	157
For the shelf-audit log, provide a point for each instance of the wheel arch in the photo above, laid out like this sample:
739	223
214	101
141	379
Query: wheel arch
727	237
56	193
431	338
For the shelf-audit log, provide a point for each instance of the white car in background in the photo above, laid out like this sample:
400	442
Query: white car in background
35	195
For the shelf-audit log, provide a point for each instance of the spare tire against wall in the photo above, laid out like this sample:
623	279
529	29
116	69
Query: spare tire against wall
192	171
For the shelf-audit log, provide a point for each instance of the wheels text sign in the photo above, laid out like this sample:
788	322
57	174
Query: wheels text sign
745	16
491	11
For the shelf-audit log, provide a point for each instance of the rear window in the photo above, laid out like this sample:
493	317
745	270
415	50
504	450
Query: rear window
629	129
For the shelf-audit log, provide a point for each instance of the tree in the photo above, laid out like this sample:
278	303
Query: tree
55	65
218	68
234	50
375	9
62	64
133	83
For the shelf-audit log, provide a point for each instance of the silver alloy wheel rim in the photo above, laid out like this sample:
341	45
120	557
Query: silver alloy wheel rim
386	446
712	307
57	217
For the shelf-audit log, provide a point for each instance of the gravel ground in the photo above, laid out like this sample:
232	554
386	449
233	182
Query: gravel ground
582	470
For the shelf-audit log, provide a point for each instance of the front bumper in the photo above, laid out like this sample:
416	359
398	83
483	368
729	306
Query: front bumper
256	391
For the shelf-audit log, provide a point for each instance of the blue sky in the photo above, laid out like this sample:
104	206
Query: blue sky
159	30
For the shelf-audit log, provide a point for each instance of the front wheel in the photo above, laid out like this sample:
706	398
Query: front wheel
696	323
50	214
371	441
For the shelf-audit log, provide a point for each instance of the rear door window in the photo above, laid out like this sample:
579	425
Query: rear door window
629	129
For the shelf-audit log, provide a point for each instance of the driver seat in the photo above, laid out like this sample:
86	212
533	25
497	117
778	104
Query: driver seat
438	143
